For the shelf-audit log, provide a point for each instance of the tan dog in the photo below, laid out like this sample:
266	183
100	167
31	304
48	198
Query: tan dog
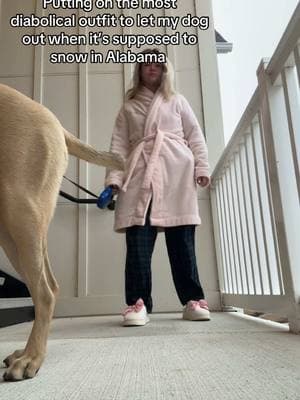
34	151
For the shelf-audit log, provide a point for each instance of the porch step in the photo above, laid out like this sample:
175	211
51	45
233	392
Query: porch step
16	303
15	311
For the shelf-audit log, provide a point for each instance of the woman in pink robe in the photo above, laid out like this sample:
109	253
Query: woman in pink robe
159	135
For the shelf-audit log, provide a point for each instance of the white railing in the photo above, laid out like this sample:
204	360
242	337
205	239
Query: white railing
256	190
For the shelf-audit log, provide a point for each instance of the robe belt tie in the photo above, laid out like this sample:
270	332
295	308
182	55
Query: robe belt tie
152	163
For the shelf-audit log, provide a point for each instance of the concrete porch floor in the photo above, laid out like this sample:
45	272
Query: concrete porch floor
94	358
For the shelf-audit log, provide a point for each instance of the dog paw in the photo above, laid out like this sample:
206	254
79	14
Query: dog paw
12	357
23	368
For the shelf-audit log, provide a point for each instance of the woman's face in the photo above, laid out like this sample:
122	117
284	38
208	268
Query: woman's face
151	75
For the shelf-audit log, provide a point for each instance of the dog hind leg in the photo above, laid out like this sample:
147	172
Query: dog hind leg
11	253
32	262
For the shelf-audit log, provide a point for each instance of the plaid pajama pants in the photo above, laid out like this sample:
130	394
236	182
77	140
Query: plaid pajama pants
180	241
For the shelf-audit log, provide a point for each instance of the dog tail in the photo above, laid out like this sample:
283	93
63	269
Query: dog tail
85	152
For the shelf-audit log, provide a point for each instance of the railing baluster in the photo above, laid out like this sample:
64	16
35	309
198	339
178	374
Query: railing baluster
228	235
297	62
223	235
270	205
258	172
248	221
291	97
231	229
240	230
256	256
236	239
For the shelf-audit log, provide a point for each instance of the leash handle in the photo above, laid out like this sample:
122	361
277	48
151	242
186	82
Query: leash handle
106	197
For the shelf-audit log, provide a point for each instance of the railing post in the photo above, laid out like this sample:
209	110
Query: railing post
273	124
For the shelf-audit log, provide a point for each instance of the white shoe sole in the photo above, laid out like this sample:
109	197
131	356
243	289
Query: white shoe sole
196	319
204	317
136	322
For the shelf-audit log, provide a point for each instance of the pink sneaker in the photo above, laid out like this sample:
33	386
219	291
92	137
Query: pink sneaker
196	310
135	315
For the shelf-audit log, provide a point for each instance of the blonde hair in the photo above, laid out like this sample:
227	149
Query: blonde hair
167	80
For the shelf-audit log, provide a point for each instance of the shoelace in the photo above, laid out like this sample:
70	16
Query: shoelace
135	307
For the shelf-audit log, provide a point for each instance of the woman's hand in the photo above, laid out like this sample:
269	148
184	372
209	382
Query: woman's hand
203	181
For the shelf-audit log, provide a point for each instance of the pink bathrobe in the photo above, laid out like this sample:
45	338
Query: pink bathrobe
166	152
